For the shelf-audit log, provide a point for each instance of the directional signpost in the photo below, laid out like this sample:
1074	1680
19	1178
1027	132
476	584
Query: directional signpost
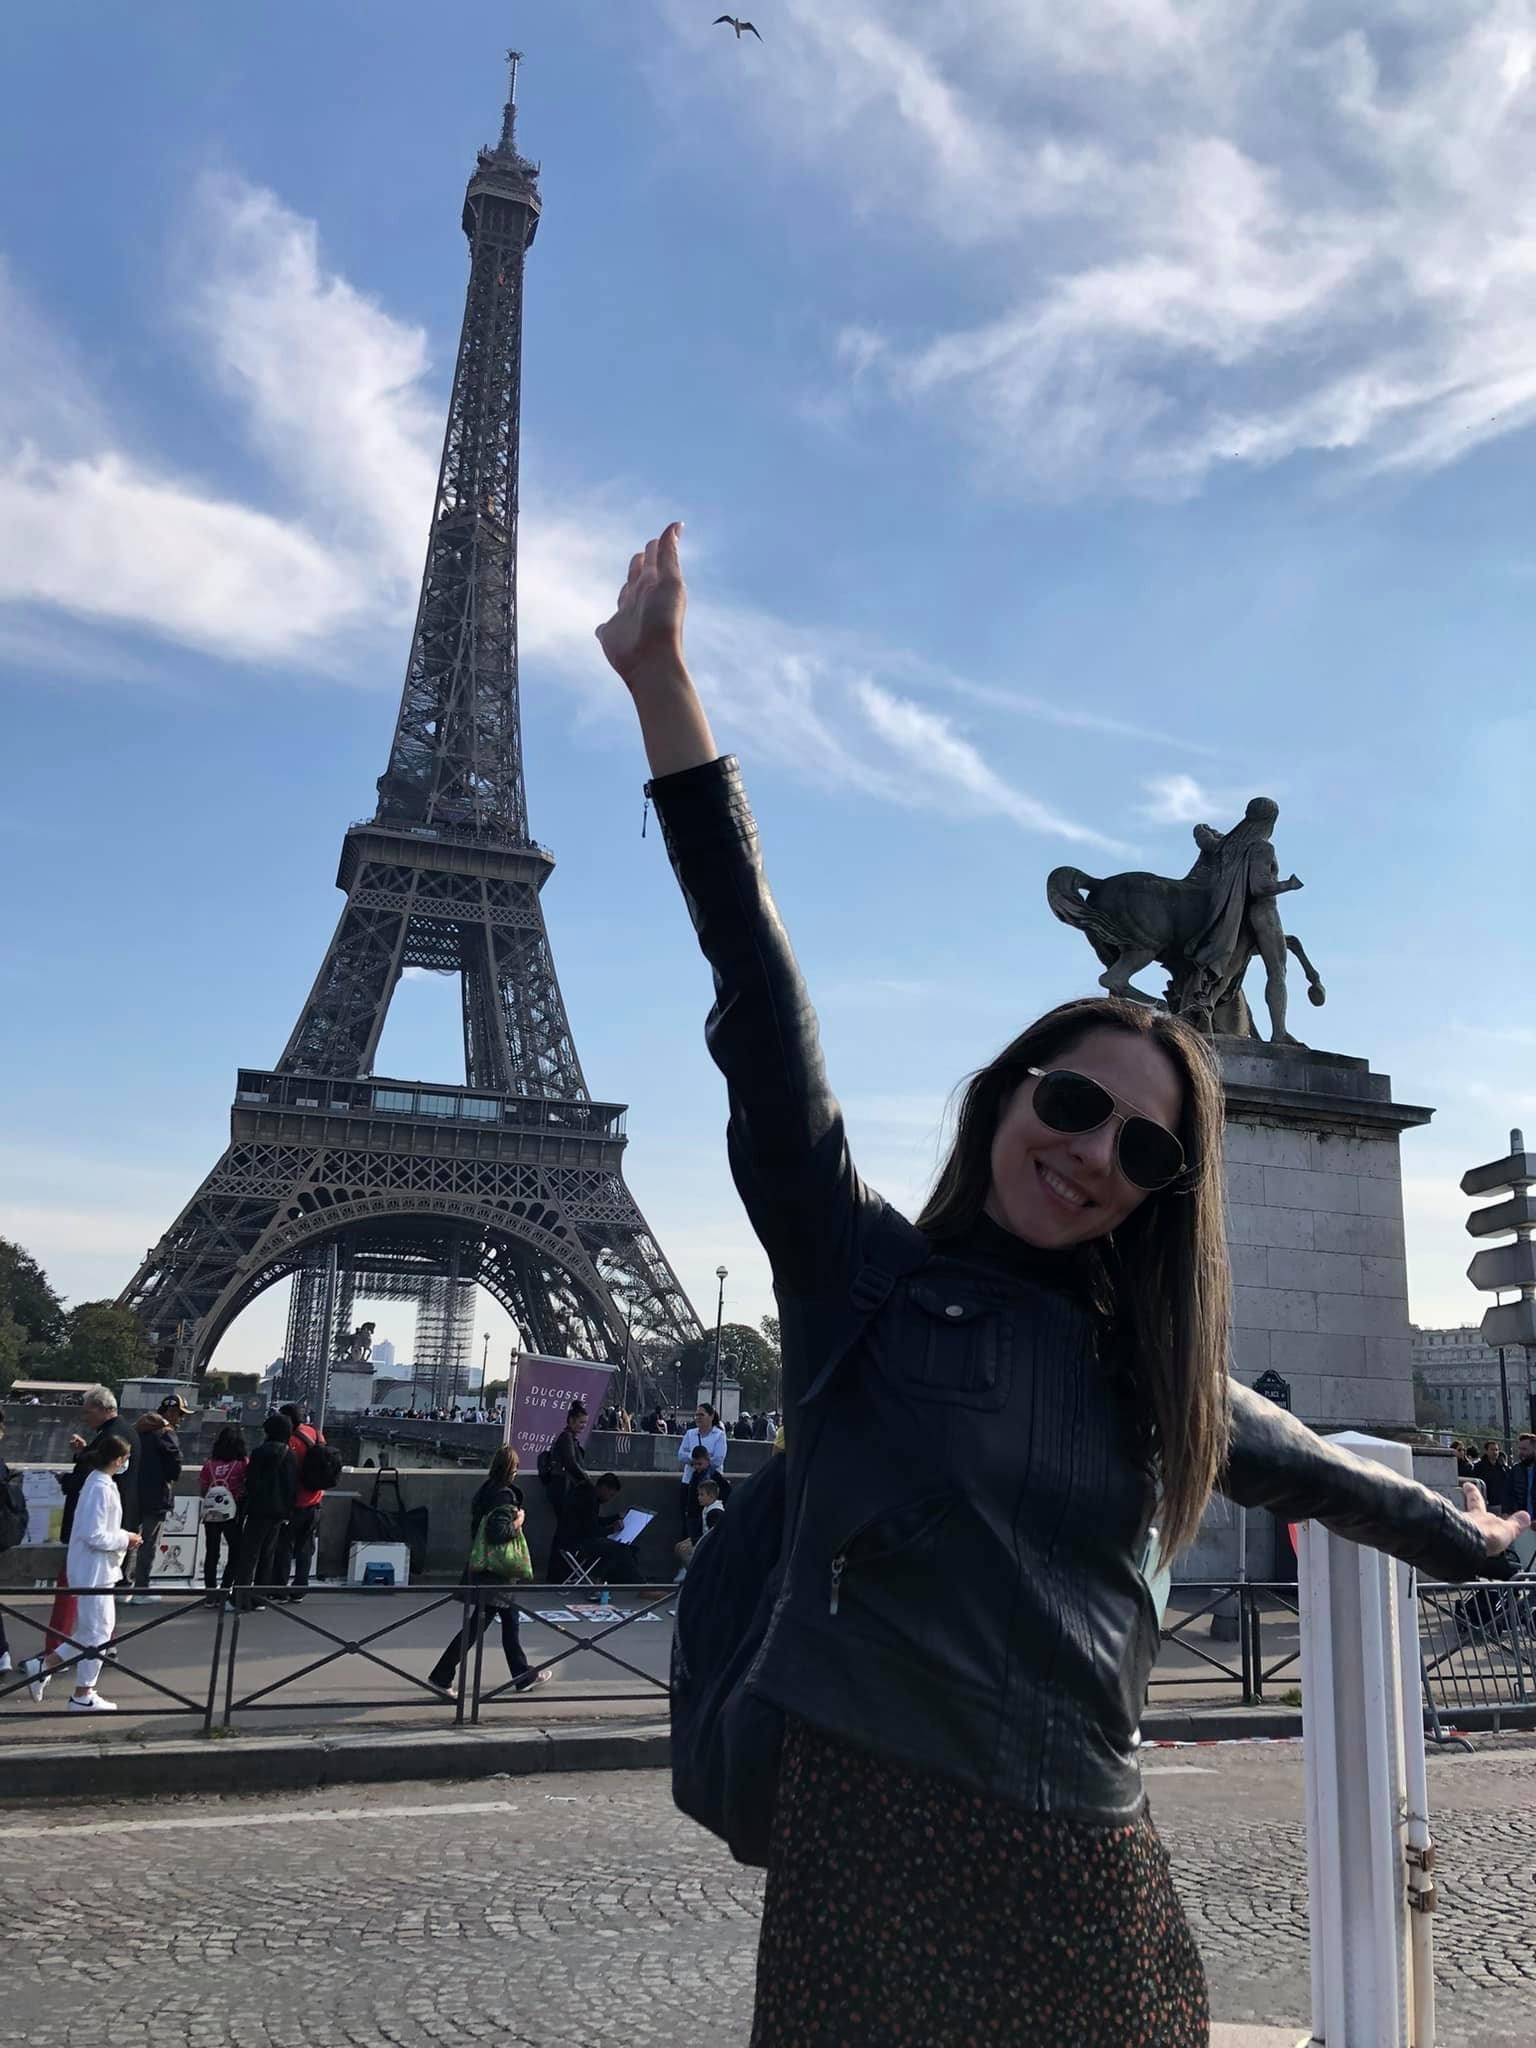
1507	1268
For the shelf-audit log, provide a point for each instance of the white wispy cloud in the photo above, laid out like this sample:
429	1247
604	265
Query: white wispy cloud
336	397
949	772
1179	800
1200	232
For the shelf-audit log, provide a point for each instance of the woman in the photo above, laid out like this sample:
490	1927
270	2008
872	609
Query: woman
156	1468
98	1543
706	1433
499	1597
223	1475
961	1848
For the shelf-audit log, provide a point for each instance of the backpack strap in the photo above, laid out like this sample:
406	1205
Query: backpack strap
895	1248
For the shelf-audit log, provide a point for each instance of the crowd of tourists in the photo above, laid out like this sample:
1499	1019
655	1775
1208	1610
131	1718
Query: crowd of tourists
259	1506
1509	1484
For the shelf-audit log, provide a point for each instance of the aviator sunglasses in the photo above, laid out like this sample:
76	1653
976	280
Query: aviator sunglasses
1147	1153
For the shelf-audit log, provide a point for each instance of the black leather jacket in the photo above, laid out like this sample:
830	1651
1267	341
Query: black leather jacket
964	1592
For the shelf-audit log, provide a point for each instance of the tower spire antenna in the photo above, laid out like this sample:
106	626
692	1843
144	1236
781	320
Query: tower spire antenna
509	111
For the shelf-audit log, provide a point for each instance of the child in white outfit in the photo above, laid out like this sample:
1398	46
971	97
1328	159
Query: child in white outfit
98	1543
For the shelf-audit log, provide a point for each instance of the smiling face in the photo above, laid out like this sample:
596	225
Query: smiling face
1054	1188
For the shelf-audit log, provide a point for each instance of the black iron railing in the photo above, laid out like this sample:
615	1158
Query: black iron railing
368	1616
1477	1647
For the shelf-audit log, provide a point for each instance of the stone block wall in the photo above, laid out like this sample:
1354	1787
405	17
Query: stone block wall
1315	1228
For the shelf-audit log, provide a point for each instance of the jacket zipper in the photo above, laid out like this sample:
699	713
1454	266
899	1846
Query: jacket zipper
840	1563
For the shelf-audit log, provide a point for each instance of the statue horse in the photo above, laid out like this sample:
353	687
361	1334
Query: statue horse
1133	920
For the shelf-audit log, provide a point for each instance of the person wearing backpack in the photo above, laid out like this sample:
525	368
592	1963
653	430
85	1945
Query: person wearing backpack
221	1483
317	1467
498	1563
930	1622
271	1481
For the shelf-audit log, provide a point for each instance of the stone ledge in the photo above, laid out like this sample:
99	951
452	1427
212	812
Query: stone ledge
128	1769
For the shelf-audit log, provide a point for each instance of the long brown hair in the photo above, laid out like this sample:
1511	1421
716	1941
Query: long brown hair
503	1467
1163	1276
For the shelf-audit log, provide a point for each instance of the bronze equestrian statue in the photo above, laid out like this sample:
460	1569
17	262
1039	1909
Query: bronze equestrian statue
1205	928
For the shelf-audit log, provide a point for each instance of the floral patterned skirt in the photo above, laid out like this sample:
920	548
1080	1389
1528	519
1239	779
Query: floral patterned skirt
904	1910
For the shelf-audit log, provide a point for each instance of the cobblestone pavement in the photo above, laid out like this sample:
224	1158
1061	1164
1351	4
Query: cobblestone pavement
540	1912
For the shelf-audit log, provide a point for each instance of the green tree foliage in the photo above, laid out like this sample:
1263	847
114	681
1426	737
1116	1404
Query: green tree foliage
13	1346
1427	1411
26	1297
100	1342
746	1355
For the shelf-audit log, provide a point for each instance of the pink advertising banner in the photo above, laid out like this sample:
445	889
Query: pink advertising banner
542	1391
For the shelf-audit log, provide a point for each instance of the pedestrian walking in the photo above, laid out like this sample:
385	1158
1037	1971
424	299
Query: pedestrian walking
1520	1480
98	1543
152	1489
1492	1473
296	1544
496	1568
98	1408
221	1483
271	1481
1001	1421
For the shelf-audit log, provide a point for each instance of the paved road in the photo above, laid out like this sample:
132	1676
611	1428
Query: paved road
541	1912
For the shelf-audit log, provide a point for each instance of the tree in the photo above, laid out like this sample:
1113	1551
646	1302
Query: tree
13	1345
26	1296
746	1356
101	1342
1428	1412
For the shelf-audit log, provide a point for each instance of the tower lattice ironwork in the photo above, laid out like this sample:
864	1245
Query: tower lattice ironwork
512	1178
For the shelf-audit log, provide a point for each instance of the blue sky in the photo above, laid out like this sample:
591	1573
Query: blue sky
1081	425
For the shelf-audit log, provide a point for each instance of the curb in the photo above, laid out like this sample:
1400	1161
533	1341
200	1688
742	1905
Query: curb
1221	1724
307	1763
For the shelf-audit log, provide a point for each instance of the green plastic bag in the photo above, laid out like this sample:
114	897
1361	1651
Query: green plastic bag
509	1560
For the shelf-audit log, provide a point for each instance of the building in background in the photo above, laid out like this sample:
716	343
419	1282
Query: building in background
1459	1373
383	1356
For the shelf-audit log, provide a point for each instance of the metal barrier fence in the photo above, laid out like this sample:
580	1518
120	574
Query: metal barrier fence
476	1607
1477	1645
1243	1603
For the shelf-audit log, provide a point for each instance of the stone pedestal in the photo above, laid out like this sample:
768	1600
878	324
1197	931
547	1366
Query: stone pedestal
1320	1283
1315	1226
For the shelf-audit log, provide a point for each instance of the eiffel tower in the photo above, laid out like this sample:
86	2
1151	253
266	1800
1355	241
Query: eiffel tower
355	1184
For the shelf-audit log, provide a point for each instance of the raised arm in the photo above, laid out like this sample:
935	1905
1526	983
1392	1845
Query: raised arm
788	1154
1278	1463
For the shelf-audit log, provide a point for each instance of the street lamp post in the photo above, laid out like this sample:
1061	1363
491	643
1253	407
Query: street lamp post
629	1324
714	1391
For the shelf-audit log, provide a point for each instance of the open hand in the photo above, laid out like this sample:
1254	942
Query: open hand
645	635
1497	1531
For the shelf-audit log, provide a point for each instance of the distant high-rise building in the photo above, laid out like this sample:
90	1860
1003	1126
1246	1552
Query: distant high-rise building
383	1355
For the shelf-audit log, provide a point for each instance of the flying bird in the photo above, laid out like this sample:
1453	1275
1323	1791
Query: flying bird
741	27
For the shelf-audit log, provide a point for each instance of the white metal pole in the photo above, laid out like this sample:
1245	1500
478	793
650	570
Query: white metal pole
1358	1743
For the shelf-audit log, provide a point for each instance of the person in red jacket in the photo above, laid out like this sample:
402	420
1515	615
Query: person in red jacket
296	1544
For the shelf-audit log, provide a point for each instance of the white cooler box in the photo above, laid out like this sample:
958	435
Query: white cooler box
395	1555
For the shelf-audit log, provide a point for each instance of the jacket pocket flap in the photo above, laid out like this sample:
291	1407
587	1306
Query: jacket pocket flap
954	1306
